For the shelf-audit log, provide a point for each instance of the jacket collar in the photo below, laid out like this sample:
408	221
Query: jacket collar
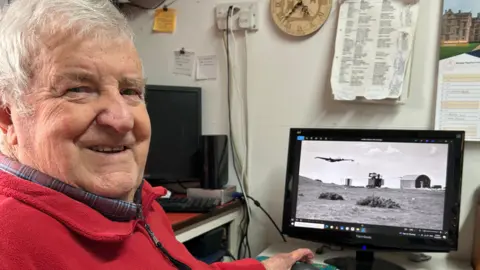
93	216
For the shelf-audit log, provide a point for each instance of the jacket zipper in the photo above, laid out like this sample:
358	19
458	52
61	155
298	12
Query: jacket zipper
178	264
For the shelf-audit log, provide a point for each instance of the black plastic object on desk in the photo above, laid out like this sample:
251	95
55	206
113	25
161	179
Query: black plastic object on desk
188	205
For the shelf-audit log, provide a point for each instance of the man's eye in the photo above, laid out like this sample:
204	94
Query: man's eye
130	92
78	89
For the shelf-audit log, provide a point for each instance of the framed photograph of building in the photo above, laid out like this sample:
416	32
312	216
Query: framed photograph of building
460	30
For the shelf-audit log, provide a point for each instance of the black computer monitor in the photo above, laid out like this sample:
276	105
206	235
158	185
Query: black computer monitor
395	190
176	121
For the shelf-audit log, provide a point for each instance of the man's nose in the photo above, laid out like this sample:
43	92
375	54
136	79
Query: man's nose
116	114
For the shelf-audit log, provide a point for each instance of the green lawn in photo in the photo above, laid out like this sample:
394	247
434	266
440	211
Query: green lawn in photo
449	51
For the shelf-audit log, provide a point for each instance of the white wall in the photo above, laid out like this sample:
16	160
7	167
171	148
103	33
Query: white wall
298	95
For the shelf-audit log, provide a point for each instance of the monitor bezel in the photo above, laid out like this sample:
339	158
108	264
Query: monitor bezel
387	242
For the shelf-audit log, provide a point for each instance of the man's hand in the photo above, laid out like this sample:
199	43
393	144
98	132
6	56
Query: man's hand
285	261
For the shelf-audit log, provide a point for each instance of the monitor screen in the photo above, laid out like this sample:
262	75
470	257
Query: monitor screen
175	116
372	185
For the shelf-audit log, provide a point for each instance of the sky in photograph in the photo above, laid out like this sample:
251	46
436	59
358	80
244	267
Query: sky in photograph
391	160
463	5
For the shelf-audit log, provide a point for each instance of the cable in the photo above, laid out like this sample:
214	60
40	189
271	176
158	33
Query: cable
257	203
247	242
232	77
239	250
229	254
245	97
242	172
243	163
244	223
241	176
232	138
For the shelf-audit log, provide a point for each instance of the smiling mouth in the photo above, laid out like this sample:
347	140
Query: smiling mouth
108	149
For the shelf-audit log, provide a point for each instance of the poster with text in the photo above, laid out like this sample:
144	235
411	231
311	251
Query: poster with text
458	88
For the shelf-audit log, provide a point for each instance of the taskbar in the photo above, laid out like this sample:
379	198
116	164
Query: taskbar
370	229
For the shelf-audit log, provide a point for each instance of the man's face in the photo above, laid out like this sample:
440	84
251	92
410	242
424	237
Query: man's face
89	126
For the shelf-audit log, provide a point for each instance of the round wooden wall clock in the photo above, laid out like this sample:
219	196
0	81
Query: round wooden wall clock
300	17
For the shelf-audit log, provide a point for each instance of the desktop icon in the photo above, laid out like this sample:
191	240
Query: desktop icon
348	228
363	230
326	226
341	228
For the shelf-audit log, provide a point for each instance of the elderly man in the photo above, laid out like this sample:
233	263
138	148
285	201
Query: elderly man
75	136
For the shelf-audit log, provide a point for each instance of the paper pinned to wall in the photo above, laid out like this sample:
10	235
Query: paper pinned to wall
165	21
207	67
458	87
184	63
373	49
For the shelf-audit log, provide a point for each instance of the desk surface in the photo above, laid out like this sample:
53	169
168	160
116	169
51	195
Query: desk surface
438	261
182	220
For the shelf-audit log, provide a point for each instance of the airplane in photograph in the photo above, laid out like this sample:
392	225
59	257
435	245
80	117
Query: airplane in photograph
334	159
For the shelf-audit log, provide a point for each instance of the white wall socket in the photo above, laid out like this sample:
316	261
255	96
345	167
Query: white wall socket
244	16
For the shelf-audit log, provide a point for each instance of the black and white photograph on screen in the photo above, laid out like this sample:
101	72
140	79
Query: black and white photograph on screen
374	183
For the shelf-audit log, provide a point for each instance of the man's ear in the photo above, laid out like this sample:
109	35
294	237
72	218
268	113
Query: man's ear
5	119
6	126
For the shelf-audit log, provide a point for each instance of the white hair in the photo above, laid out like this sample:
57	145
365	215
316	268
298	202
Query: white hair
26	24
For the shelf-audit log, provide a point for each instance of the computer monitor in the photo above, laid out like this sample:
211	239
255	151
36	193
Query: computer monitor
176	122
395	190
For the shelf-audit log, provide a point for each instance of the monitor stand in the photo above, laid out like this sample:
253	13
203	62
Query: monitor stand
364	260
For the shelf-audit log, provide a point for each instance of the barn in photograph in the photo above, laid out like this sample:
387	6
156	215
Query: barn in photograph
415	181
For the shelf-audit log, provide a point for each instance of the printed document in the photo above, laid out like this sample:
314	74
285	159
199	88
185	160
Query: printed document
373	49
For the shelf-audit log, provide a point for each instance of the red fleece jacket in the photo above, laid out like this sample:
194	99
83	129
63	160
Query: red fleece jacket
44	229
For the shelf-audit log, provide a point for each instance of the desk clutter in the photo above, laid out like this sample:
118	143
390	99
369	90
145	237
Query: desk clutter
198	200
188	205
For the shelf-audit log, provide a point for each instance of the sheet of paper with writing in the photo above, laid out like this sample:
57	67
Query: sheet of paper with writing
373	49
458	87
165	21
184	63
207	67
